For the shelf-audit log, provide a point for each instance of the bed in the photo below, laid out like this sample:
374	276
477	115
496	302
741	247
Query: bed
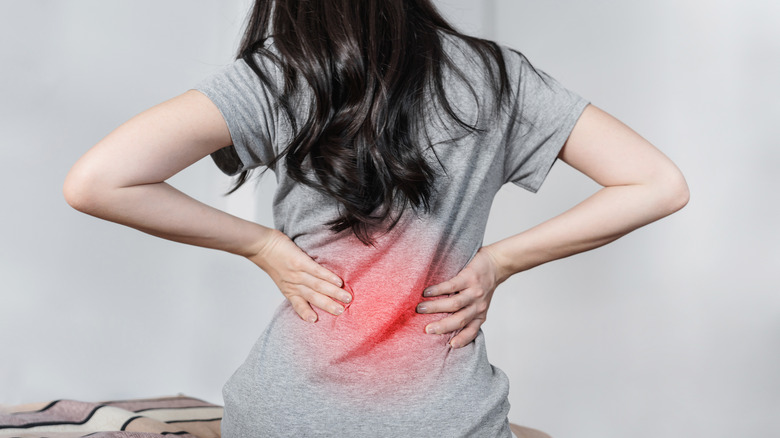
179	416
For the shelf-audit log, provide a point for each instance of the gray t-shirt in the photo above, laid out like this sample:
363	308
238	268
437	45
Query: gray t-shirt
372	371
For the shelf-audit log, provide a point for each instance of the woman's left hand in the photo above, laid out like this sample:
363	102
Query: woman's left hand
469	298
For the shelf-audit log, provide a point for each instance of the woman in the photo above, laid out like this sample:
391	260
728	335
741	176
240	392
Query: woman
389	134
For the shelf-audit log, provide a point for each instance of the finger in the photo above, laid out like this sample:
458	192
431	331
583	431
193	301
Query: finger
303	309
321	272
323	302
328	289
468	334
455	284
449	304
452	323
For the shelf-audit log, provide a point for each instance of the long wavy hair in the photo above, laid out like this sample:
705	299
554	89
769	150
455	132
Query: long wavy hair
371	66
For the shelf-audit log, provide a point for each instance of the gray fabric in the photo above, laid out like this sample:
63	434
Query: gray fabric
373	372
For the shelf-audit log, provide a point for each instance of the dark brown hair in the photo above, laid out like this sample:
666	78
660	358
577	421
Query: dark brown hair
370	64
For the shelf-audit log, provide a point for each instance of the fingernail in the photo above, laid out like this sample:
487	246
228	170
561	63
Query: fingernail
427	293
430	330
312	319
422	309
454	345
337	281
346	299
339	311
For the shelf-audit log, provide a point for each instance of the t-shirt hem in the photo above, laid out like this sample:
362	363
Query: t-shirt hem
550	154
236	134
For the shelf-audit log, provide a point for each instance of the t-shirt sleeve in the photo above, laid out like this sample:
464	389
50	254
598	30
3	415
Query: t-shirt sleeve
545	113
247	105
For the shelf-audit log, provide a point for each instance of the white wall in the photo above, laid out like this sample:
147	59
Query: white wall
91	310
673	331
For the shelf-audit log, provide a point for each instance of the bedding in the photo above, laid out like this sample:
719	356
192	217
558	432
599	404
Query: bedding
179	416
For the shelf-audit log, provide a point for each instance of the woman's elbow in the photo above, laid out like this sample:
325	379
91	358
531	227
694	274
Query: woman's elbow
81	189
673	192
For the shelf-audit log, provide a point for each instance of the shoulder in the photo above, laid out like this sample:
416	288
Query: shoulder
490	57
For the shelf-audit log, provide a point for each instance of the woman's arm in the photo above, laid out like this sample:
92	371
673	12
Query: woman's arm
122	179
640	185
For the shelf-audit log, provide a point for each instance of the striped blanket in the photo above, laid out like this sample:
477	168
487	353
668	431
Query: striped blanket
178	416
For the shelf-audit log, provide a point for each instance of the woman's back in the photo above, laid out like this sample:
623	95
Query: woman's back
373	371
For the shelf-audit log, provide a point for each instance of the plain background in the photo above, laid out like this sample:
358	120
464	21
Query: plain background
673	331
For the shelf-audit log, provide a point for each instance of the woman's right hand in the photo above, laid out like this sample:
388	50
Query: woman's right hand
301	280
122	179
